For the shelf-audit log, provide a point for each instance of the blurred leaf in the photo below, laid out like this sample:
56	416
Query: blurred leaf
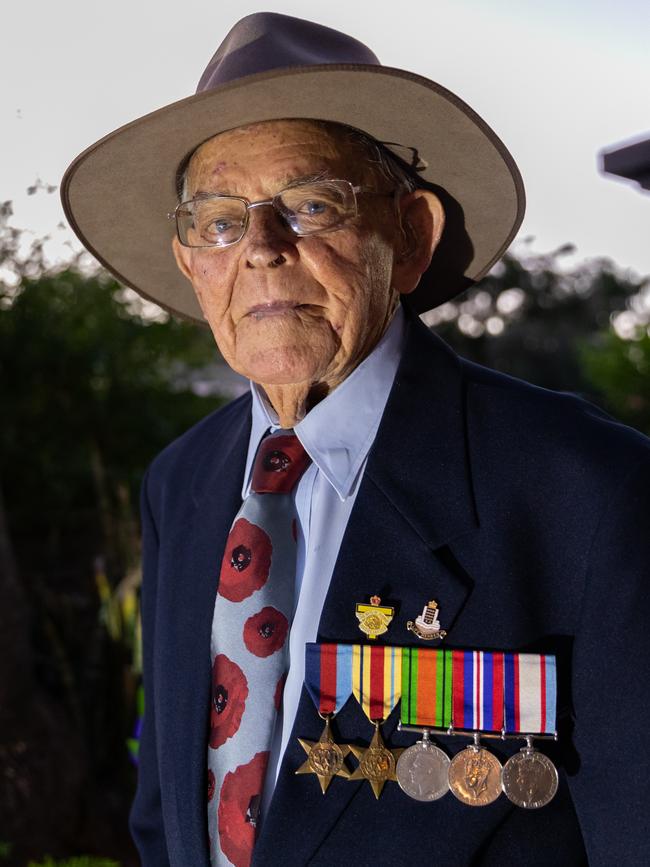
531	315
620	371
81	861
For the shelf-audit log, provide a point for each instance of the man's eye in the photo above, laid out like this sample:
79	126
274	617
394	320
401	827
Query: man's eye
221	226
313	207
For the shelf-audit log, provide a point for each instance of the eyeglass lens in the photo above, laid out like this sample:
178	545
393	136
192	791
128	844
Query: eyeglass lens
219	221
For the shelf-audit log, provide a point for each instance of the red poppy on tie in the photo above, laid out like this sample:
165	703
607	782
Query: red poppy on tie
238	807
266	631
229	694
246	561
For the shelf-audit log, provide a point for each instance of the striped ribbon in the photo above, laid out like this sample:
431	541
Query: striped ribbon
477	690
530	693
376	678
328	675
471	689
426	687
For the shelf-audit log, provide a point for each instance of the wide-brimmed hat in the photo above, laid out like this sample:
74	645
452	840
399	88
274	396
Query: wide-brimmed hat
118	192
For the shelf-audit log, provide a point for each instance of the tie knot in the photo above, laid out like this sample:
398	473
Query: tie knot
279	464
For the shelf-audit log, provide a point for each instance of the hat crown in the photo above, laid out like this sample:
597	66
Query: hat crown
268	40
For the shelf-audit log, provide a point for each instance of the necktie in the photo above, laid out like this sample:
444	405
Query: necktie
249	646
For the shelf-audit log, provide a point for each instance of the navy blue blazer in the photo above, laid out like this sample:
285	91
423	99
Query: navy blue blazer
523	512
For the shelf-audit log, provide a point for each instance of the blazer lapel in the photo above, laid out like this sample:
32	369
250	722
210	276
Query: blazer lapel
188	583
414	499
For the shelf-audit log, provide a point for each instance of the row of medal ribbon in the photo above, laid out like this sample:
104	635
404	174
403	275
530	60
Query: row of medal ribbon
450	692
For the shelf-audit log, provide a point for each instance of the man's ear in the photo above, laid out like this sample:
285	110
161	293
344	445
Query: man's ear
183	256
422	222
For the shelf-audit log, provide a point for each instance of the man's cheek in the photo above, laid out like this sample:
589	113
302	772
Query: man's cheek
212	267
213	296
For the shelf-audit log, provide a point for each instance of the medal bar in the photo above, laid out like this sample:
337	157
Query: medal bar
478	694
468	693
328	679
377	686
477	704
451	731
529	778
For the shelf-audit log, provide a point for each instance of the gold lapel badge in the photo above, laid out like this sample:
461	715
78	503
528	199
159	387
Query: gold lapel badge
374	619
427	625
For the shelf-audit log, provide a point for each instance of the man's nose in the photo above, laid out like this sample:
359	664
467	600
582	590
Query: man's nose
269	240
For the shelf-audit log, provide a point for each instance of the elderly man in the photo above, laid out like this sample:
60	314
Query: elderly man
369	473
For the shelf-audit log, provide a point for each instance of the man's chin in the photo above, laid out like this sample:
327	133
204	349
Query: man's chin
290	366
281	380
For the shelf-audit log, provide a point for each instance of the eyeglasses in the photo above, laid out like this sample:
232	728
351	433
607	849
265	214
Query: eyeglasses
212	220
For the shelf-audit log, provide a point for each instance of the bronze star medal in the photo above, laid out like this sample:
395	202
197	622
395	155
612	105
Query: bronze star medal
376	763
325	758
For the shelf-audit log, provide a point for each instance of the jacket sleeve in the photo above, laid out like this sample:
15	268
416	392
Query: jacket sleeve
146	819
611	682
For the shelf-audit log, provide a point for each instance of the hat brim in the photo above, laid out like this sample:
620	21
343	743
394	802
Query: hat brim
118	192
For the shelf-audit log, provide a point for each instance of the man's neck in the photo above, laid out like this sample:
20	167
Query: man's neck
293	401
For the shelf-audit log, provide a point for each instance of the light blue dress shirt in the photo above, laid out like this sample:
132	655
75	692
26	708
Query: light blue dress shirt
337	434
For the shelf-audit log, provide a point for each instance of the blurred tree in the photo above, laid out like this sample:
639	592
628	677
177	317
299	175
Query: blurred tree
92	393
532	316
620	370
93	386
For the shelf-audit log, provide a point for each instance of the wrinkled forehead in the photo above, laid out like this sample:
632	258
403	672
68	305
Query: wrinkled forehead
313	146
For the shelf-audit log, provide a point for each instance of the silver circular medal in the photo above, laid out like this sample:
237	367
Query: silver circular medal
422	771
530	779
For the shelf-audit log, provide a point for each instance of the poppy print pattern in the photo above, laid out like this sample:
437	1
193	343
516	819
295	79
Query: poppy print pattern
266	631
211	785
240	794
246	561
249	643
229	694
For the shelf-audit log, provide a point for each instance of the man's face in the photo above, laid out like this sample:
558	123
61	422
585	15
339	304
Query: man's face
286	309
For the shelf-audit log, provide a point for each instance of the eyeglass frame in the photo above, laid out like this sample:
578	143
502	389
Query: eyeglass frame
354	189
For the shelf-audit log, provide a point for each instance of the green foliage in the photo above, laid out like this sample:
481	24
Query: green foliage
81	861
133	746
79	372
620	370
541	314
5	850
91	390
90	393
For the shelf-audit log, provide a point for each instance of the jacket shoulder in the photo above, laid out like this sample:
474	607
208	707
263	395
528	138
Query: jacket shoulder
180	456
530	423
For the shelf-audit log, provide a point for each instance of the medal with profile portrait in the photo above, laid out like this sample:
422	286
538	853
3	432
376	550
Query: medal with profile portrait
423	771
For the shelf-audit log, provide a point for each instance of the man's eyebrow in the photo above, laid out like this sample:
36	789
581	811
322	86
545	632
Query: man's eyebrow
307	179
287	182
204	194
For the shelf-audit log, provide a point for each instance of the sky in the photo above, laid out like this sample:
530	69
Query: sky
557	81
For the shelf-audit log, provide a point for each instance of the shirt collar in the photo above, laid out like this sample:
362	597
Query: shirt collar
339	431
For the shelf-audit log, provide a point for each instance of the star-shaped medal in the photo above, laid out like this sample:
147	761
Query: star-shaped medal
376	763
325	758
